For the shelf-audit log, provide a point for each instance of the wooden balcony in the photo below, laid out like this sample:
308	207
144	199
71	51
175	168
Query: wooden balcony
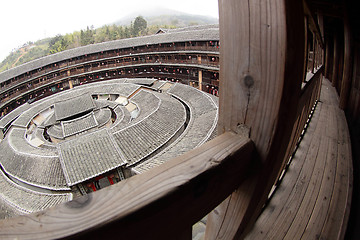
281	167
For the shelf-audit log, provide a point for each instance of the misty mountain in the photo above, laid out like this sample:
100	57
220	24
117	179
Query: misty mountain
156	18
163	16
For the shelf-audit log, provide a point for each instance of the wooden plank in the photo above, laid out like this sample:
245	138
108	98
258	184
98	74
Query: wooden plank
277	211
337	218
155	205
313	200
299	195
261	42
312	213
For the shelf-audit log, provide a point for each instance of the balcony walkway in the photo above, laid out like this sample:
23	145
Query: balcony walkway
313	199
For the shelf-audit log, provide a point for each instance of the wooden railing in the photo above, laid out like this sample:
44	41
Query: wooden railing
113	56
163	203
263	109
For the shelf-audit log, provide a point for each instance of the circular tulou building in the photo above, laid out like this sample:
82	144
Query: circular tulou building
83	119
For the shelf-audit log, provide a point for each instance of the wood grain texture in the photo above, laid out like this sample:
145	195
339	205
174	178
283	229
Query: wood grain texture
335	66
262	62
314	197
274	222
166	200
346	75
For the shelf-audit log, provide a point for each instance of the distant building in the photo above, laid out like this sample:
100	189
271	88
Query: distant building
104	127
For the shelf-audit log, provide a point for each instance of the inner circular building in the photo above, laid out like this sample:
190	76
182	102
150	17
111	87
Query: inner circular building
108	112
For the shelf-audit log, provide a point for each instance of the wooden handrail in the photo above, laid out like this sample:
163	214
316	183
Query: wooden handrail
262	67
159	204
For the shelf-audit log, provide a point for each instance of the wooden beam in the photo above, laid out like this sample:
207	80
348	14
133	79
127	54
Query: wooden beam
162	203
314	26
262	63
346	76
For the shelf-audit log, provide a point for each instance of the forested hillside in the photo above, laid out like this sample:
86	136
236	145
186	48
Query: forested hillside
33	50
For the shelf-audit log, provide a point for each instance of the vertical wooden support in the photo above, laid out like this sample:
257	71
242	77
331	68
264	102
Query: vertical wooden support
262	63
314	54
327	60
346	77
71	84
306	52
320	17
335	61
200	79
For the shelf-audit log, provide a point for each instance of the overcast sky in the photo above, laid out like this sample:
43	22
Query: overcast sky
25	20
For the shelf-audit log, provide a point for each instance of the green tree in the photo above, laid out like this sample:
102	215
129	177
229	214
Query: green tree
140	25
58	44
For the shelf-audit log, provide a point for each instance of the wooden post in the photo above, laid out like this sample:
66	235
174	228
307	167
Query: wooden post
71	84
262	63
200	79
306	52
199	59
346	77
335	61
314	54
327	60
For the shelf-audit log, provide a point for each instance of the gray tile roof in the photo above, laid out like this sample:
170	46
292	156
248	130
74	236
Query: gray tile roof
51	120
202	125
7	210
26	200
141	81
193	28
122	119
158	84
8	118
156	130
35	108
203	34
39	133
143	138
73	106
18	143
79	125
116	86
147	102
88	156
199	101
56	131
35	166
102	116
105	103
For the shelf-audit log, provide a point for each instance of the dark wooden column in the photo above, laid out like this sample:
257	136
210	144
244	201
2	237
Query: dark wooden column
328	59
262	63
346	76
336	56
314	56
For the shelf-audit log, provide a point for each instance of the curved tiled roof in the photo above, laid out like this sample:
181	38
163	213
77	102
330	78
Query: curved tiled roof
95	130
26	200
146	102
211	33
163	129
88	156
143	138
34	169
202	125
